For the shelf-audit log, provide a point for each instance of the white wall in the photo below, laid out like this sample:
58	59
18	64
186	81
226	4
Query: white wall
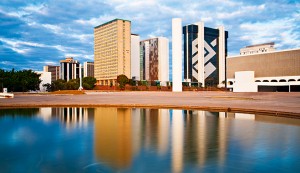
45	78
135	57
177	55
163	60
245	82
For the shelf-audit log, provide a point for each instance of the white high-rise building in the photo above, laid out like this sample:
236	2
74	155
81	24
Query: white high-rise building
135	57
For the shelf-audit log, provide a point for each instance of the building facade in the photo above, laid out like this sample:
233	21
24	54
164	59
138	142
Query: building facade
135	57
69	69
258	48
88	69
55	71
273	71
154	62
112	51
205	52
45	78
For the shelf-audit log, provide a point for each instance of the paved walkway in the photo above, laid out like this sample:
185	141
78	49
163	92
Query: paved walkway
280	104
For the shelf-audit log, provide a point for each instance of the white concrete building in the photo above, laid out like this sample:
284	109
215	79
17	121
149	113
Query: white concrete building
45	78
245	82
135	57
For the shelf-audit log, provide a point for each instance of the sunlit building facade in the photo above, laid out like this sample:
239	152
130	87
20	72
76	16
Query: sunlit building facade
273	71
112	51
69	69
135	57
155	59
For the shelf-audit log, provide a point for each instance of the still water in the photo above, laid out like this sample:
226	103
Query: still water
145	140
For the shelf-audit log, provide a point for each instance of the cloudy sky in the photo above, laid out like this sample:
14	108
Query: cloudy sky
34	33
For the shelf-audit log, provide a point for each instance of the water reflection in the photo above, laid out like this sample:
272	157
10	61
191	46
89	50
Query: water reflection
154	140
70	116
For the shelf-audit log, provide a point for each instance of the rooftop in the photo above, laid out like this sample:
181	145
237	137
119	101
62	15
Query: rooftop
110	22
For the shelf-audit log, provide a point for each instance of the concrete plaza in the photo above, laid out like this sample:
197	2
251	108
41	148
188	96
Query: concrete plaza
278	104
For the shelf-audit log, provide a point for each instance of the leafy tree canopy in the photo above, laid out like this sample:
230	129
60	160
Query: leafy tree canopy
23	80
122	81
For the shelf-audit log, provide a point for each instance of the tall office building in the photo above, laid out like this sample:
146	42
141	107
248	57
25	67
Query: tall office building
69	69
205	52
112	51
55	70
88	69
155	59
135	57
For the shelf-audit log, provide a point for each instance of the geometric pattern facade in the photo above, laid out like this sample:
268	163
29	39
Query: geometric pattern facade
211	54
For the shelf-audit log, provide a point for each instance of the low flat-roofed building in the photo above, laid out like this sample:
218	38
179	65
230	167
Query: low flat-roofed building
258	48
274	71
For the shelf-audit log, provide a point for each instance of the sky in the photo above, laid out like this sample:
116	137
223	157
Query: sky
35	33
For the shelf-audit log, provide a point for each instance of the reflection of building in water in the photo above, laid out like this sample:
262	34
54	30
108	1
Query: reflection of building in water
177	140
136	126
223	131
204	137
73	116
113	136
45	114
163	130
156	128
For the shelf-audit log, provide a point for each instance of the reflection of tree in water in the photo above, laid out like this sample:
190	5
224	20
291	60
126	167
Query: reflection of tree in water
24	112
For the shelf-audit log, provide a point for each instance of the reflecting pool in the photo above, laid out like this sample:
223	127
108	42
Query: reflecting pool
146	140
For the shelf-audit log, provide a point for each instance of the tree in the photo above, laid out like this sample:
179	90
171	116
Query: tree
23	80
58	85
122	81
88	82
72	84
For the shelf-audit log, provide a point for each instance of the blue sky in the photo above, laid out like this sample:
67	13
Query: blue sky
38	33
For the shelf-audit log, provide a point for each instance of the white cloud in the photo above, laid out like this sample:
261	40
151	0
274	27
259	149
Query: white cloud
96	21
242	11
282	31
24	47
53	28
40	9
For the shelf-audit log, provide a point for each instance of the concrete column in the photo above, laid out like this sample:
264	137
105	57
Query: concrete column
222	68
68	78
201	77
177	54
